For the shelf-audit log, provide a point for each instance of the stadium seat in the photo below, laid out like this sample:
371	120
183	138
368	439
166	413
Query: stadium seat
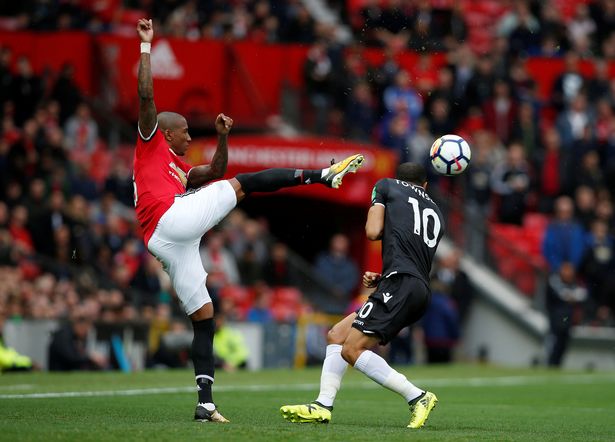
284	313
243	297
535	221
287	295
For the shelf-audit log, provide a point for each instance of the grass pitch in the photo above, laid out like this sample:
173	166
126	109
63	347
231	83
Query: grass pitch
476	403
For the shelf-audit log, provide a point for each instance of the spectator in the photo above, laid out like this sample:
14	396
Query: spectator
420	142
564	294
573	123
66	92
251	236
81	131
10	359
441	122
27	90
360	113
444	89
440	326
552	29
6	76
300	26
480	86
230	349
519	15
598	266
119	183
279	272
478	201
249	267
260	312
395	134
511	181
401	99
337	269
564	240
456	282
588	172
526	129
551	165
585	204
598	85
525	37
569	83
500	111
18	228
219	263
68	348
318	75
581	29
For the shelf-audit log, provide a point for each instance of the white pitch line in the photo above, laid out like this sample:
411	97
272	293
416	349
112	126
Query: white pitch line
17	387
505	381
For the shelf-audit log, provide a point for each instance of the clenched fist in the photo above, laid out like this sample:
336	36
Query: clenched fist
223	124
371	279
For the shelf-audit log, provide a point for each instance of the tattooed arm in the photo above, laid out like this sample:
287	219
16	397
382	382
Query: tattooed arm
201	175
147	108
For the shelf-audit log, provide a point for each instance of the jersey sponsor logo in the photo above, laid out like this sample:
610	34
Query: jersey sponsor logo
386	297
181	175
164	62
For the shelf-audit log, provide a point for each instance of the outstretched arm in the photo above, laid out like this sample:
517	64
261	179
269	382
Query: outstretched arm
201	175
147	108
375	222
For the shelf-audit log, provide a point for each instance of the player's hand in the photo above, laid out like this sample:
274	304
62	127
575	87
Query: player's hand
145	29
223	124
370	279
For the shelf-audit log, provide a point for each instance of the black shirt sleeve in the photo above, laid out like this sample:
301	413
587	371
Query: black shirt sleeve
380	192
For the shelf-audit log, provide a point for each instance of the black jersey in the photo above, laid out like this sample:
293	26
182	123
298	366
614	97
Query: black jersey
413	227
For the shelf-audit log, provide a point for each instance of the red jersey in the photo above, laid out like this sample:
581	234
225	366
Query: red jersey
159	174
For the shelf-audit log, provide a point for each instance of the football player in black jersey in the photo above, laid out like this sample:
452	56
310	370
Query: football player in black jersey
410	226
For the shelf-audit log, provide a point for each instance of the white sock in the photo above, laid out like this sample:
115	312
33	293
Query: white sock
322	175
377	369
333	369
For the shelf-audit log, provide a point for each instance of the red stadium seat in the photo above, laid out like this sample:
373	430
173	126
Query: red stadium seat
285	313
243	297
287	295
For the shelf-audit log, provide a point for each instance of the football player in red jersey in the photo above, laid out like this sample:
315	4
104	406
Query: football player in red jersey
176	208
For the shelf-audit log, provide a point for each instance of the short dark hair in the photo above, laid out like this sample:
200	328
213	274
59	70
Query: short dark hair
412	173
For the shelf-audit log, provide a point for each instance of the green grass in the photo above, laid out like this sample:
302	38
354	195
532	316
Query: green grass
476	403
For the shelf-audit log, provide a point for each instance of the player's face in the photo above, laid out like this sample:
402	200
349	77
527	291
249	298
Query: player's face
180	139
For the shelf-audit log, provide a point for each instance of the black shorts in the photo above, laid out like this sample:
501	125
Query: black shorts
399	300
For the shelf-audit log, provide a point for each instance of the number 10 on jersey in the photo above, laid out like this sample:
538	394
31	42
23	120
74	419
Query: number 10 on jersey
421	222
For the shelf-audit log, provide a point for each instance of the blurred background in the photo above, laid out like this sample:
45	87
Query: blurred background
525	276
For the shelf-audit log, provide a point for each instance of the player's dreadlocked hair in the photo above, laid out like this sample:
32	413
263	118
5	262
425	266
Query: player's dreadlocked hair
412	173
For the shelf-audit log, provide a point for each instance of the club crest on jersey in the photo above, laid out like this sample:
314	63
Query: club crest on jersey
180	174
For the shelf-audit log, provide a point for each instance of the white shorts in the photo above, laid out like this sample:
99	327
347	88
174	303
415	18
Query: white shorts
175	241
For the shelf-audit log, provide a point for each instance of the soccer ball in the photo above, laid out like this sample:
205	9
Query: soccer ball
450	155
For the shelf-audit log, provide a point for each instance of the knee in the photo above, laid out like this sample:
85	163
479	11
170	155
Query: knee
205	312
334	336
350	353
238	188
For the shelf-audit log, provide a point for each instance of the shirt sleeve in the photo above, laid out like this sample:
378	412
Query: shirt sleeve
147	137
380	192
145	144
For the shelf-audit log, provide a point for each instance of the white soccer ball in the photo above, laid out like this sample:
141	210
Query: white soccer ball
450	155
